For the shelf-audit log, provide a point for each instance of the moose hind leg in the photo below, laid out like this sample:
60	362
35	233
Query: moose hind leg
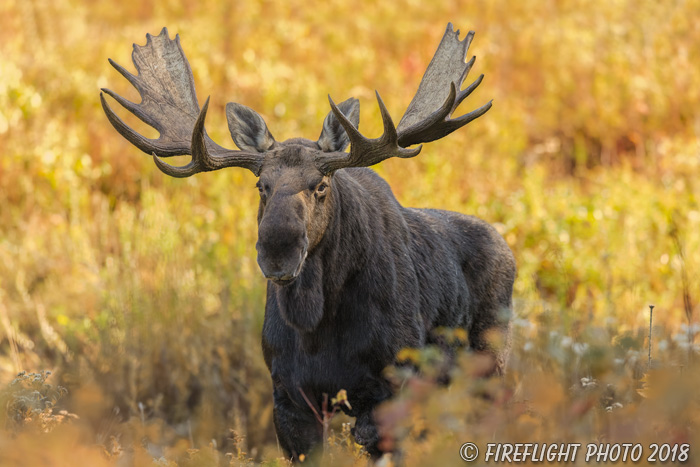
298	431
491	337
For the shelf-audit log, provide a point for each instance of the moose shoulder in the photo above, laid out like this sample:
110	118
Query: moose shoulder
353	276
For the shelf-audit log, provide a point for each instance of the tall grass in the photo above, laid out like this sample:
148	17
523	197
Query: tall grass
142	295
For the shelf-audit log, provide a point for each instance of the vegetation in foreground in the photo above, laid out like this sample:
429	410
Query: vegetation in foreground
141	294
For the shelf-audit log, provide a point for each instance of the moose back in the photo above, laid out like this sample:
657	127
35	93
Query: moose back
353	277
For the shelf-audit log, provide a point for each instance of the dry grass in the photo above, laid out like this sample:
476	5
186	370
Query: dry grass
142	295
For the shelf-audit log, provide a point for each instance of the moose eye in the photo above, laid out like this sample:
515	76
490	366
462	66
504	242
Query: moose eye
321	189
261	189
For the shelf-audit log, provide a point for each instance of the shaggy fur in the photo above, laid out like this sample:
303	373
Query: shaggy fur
380	278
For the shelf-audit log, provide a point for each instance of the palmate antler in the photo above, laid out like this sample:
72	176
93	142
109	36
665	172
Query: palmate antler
169	104
423	121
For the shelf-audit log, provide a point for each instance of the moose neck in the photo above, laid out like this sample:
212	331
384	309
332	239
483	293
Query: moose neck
338	257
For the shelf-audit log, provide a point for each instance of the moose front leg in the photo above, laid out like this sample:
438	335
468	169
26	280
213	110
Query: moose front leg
298	431
375	390
366	434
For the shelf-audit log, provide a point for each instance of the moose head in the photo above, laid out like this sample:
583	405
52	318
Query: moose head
295	176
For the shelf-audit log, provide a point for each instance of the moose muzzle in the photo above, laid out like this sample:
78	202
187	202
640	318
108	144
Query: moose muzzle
282	242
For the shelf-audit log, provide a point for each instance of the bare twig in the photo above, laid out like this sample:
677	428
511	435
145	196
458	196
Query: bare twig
313	409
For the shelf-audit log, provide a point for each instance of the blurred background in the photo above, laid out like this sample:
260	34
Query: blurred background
142	295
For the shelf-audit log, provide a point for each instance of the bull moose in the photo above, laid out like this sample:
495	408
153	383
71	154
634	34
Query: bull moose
353	277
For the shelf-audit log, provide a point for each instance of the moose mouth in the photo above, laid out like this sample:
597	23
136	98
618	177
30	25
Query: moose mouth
284	282
289	278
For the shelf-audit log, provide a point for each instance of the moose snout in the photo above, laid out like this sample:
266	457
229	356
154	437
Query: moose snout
282	250
282	268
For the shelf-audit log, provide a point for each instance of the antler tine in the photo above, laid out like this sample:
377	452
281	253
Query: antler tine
125	130
353	133
128	105
169	104
200	155
125	73
364	152
203	160
459	122
465	92
389	135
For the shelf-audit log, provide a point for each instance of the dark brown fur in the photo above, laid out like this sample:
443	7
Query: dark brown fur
377	277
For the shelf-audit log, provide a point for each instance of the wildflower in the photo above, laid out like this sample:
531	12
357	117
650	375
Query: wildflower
614	406
588	382
580	348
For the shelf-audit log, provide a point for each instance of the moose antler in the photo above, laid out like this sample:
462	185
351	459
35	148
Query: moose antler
364	151
422	122
169	104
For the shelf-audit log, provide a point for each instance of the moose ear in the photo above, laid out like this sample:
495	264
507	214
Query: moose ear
333	137
248	129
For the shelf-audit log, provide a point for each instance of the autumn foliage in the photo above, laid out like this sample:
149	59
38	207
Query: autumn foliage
142	295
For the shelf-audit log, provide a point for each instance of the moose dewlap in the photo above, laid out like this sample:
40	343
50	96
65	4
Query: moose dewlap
353	277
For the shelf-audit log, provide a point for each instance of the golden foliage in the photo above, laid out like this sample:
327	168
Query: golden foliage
142	292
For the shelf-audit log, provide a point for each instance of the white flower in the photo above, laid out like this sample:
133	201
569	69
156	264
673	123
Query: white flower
693	329
616	405
588	382
681	338
580	348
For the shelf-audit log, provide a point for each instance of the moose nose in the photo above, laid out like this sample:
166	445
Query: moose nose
282	272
